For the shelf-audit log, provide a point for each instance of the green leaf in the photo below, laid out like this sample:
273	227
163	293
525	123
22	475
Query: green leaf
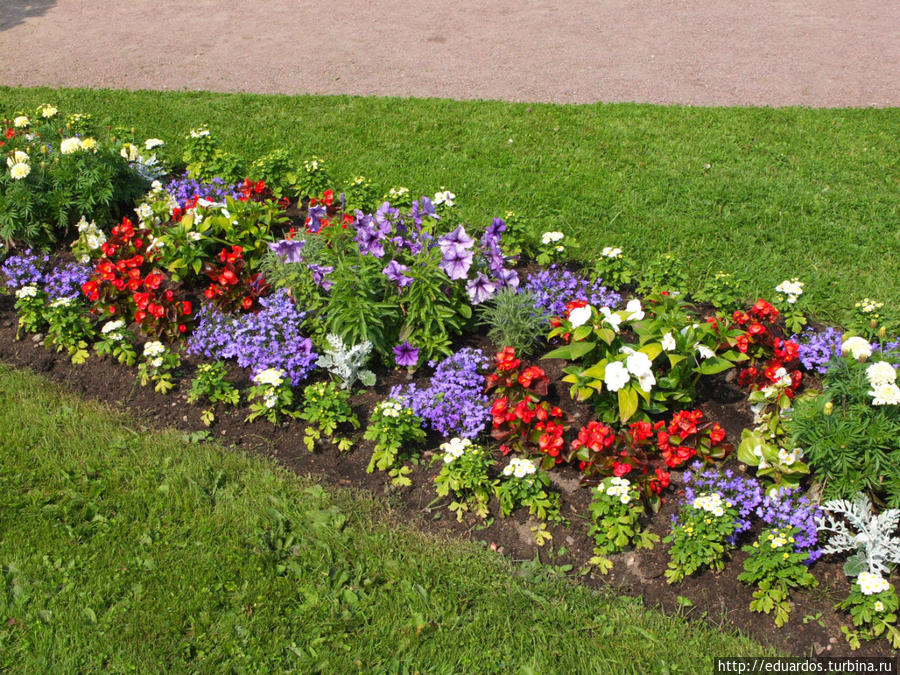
571	352
714	365
628	403
652	350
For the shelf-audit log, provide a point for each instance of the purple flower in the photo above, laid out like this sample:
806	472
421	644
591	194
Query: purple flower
385	215
185	189
65	281
406	355
370	234
288	250
24	269
315	214
421	208
555	286
319	272
456	239
480	289
495	230
394	271
816	349
456	261
508	278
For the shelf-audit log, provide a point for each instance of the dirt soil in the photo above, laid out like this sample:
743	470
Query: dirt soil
820	53
717	598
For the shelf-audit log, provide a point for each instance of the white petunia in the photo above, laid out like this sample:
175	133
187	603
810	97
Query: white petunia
616	376
635	311
704	351
580	316
668	343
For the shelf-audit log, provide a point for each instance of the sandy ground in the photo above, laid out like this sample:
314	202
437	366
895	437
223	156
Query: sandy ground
830	53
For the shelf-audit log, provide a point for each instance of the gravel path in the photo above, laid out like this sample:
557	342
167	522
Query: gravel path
830	53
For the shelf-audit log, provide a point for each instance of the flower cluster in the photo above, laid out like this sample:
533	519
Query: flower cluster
617	487
792	289
788	508
743	494
454	404
872	584
711	502
519	468
271	395
231	285
817	348
883	379
270	338
186	189
24	269
689	434
454	448
66	280
555	286
773	357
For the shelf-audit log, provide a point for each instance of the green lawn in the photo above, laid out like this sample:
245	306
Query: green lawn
764	193
127	551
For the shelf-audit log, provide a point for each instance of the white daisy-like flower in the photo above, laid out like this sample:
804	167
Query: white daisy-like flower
580	316
151	143
272	377
857	347
29	291
157	362
878	606
552	237
611	252
616	376
454	448
70	145
788	458
111	326
21	122
48	111
885	394
199	133
19	170
792	288
18	157
881	372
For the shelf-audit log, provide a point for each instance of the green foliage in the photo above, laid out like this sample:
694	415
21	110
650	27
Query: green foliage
361	195
158	365
873	616
31	308
522	485
518	239
117	342
699	539
616	509
276	171
513	321
555	247
464	476
396	430
205	160
850	444
325	408
614	267
69	327
722	290
665	272
210	383
312	178
775	568
870	320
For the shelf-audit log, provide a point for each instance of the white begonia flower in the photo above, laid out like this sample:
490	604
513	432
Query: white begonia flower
634	309
82	225
156	186
787	458
69	145
151	143
704	351
857	347
552	237
872	584
885	394
21	122
19	170
18	157
29	291
154	348
668	342
445	198
610	317
48	111
95	241
580	316
881	372
611	252
616	376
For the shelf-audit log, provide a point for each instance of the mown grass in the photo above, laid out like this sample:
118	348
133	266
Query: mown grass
129	551
763	193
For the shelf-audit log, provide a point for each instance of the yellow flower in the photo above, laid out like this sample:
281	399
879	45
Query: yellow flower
89	144
47	111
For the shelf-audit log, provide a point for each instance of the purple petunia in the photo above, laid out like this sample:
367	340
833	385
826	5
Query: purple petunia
395	272
456	261
315	215
480	289
289	250
406	355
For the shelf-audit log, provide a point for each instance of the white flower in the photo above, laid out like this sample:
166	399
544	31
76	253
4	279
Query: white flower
151	143
859	348
27	292
95	241
646	381
788	458
111	326
616	376
885	394
154	348
155	186
69	145
85	259
711	502
560	248
878	606
454	448
611	318
19	170
519	468
18	157
704	351
625	498
638	363
792	288
83	225
274	377
21	121
199	133
881	372
194	236
635	312
397	192
270	398
872	584
445	198
48	111
611	252
156	363
668	342
551	237
61	302
144	212
580	316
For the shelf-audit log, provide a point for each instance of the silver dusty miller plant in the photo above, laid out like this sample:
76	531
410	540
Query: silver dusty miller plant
870	535
348	365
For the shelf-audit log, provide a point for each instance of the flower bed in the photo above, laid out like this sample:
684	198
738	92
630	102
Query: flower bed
471	364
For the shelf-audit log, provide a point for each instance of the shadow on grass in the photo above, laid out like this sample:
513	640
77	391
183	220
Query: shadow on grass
14	12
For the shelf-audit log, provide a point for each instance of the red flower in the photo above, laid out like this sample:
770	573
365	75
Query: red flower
506	359
641	431
530	374
661	481
247	303
621	469
716	434
182	328
186	307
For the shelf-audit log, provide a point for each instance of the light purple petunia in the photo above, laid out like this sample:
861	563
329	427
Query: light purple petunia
288	250
316	214
394	271
456	239
406	355
480	289
456	261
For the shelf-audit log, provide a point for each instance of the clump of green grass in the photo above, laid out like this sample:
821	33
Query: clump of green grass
125	551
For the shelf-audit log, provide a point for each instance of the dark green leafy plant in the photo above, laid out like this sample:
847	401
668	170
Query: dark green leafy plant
325	407
722	290
210	383
396	430
69	328
617	506
523	485
464	477
117	342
